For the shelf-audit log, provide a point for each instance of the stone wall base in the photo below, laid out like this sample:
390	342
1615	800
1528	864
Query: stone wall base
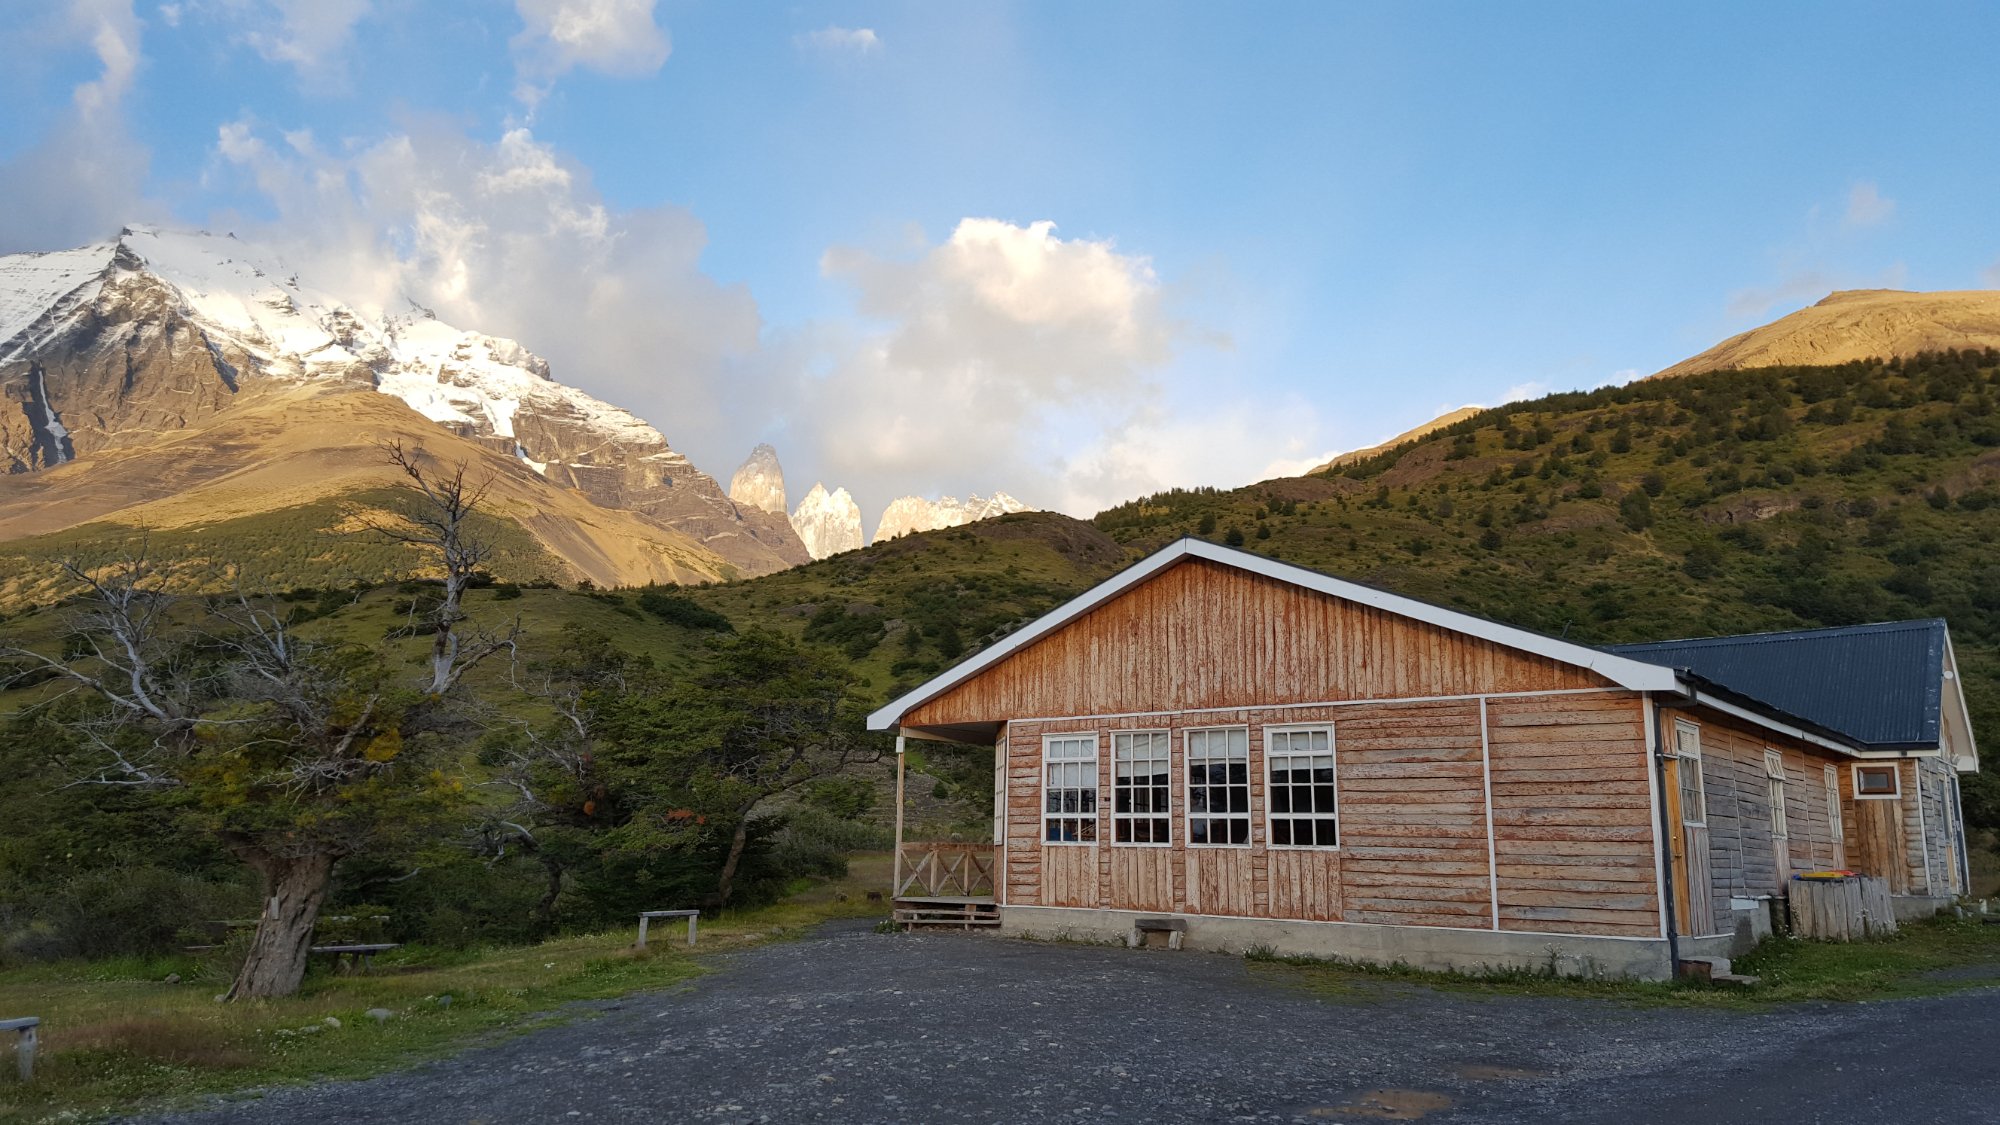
1420	947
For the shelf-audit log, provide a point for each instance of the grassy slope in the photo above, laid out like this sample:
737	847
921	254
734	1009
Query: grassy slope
1786	498
307	545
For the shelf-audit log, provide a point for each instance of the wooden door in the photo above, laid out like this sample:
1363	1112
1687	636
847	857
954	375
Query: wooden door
1688	801
1689	855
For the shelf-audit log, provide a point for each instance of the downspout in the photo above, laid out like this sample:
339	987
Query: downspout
1667	845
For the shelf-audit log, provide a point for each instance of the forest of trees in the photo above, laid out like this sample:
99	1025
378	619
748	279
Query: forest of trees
175	761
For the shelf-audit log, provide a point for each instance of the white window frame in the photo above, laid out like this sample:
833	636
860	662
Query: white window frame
1188	814
1774	776
1163	816
1272	816
1895	771
1830	774
1091	775
1687	747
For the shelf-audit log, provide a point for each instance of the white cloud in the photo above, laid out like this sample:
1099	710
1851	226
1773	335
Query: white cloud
845	40
309	35
615	37
995	339
1867	207
82	179
510	239
1991	274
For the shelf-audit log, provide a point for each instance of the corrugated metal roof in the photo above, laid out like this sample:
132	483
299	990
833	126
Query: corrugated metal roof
1881	685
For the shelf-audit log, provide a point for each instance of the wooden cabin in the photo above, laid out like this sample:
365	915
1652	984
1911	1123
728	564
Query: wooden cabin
1253	754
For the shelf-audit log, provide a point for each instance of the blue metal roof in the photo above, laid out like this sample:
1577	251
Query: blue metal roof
1881	685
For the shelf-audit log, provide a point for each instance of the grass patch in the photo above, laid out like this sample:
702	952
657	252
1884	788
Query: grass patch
1922	959
115	1038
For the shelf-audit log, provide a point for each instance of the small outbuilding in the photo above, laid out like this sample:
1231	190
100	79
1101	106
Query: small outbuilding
1247	753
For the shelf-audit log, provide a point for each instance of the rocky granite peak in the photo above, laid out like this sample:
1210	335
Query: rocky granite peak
909	514
760	482
828	522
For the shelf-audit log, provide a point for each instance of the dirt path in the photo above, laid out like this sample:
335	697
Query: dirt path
852	1026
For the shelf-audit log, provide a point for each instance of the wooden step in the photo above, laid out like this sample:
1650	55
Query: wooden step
947	917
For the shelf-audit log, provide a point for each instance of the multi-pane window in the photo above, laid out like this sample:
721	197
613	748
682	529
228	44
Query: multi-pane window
1831	776
1300	794
1069	789
1218	786
1694	798
1141	777
1774	775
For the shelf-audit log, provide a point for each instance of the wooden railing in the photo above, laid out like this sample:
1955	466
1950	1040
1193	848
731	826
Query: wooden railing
946	870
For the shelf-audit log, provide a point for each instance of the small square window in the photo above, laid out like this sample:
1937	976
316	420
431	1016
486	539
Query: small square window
1877	782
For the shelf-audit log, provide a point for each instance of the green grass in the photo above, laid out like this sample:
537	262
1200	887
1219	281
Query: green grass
1922	959
116	1038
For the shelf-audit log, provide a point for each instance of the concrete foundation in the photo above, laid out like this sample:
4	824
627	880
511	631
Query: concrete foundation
1910	908
1421	947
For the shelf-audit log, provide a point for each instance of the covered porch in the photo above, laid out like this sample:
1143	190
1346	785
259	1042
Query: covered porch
942	884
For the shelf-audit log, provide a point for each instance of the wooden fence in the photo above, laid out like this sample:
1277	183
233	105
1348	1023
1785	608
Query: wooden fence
946	870
1846	909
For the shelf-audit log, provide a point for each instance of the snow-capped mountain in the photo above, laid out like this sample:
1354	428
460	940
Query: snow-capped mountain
115	342
828	522
914	513
760	482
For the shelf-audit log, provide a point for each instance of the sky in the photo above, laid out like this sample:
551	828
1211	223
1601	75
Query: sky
1079	253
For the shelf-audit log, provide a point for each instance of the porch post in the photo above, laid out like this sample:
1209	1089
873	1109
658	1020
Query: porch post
896	885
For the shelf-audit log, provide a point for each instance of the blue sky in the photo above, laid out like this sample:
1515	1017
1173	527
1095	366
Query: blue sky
1279	230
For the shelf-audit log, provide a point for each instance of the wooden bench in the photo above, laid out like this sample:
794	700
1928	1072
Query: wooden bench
1174	928
24	1043
646	917
354	956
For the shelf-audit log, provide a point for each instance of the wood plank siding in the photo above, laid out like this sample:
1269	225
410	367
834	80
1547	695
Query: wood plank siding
1202	635
1573	848
1747	862
1573	819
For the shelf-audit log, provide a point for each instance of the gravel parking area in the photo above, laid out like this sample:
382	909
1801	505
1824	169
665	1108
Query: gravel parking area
854	1026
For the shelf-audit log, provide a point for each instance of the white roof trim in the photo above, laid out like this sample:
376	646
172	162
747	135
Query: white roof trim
1634	675
1957	718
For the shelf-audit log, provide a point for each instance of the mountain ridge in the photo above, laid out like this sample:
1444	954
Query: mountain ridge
117	342
1857	324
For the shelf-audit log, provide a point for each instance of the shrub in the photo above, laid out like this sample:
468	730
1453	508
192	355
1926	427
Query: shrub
679	609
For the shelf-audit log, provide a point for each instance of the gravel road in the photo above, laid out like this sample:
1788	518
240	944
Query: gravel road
854	1026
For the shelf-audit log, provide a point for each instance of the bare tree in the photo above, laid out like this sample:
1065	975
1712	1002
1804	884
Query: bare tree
441	525
296	751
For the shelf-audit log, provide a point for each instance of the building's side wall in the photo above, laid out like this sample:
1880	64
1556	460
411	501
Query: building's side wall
1745	861
1204	635
1567	848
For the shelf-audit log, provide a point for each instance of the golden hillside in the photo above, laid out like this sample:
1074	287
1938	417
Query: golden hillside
282	446
1859	324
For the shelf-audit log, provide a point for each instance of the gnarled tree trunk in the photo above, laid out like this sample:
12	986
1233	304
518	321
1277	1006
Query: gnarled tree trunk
294	888
726	883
